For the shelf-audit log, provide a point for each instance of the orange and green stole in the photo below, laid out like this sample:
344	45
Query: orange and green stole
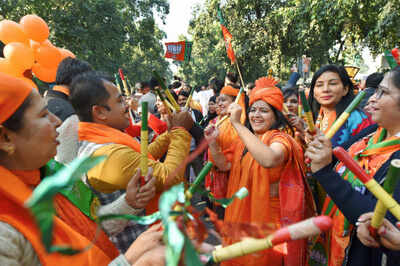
71	227
371	153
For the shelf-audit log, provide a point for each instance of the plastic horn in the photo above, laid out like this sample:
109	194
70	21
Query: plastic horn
369	182
189	99
285	109
164	101
132	89
117	83
121	75
167	92
300	230
236	101
392	178
299	108
345	115
307	112
144	142
199	179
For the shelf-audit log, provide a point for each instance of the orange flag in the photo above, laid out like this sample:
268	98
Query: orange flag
227	37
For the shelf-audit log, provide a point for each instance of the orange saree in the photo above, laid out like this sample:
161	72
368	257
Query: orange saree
259	207
216	181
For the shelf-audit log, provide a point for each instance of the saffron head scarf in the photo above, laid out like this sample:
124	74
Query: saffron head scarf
231	91
13	93
266	91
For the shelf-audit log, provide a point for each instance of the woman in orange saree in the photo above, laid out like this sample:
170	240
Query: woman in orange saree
217	179
268	163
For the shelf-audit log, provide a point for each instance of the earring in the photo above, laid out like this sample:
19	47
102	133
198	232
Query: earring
9	149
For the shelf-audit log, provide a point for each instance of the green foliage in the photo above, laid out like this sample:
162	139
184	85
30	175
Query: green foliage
41	202
108	34
273	34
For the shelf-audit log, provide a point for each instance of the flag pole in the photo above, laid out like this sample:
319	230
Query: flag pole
240	74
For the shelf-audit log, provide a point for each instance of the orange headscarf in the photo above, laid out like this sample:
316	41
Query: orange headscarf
266	91
13	93
231	91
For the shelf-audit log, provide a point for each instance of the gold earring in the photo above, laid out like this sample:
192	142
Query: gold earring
9	149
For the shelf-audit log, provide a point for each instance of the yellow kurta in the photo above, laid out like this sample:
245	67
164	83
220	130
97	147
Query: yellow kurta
122	161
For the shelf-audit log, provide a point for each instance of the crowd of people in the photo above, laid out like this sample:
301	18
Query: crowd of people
264	145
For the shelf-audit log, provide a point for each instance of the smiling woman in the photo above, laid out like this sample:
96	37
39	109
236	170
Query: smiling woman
373	149
331	92
269	163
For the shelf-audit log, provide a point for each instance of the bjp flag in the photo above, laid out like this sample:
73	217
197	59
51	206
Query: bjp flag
179	51
227	37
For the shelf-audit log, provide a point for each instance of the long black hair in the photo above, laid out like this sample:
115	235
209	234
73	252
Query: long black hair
346	81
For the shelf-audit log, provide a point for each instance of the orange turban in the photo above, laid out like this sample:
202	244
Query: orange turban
231	91
13	92
266	91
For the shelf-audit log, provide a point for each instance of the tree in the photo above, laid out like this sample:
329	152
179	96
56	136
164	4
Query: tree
273	34
108	34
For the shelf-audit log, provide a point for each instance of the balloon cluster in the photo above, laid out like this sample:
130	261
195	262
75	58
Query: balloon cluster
27	49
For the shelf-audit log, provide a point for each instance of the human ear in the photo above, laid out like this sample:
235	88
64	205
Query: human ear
98	113
6	144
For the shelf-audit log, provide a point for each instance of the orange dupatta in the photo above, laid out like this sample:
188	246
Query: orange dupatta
13	194
259	208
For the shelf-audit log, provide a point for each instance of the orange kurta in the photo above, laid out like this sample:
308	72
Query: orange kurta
259	208
14	191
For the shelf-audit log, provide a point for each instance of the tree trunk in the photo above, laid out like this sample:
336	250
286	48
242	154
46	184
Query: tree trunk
340	49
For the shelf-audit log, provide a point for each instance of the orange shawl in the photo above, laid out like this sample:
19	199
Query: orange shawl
102	134
13	194
259	208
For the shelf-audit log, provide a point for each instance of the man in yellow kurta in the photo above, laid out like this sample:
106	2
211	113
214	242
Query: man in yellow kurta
104	115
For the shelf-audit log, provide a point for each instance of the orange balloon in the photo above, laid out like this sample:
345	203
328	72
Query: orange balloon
47	56
7	68
47	43
19	55
35	27
11	31
66	53
44	74
34	45
30	82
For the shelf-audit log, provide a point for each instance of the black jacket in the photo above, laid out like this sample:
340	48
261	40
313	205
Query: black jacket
353	204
